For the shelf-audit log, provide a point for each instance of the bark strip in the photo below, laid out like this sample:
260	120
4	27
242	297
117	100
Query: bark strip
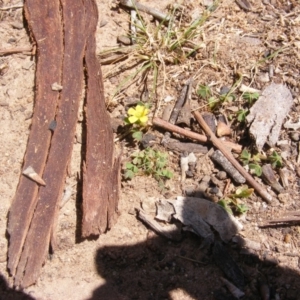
49	41
37	241
101	171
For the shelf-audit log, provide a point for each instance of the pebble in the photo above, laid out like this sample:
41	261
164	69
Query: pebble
221	175
295	136
125	40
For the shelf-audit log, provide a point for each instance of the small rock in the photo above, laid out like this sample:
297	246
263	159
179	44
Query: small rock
295	136
148	140
17	25
264	77
283	198
103	23
224	90
221	175
125	40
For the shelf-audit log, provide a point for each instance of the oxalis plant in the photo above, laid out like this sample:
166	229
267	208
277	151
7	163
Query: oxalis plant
148	162
233	203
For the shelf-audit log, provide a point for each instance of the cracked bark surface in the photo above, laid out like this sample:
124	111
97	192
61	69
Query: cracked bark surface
64	32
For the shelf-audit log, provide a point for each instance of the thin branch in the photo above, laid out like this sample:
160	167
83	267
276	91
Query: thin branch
219	144
12	7
149	10
25	50
192	135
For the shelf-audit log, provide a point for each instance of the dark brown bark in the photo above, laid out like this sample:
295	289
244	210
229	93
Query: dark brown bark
36	245
101	171
48	37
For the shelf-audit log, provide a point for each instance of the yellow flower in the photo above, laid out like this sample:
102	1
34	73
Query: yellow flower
138	114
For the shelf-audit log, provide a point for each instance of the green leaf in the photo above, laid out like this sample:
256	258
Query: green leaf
204	91
128	174
275	159
245	157
138	135
250	97
256	169
242	208
213	102
243	192
241	115
224	204
129	166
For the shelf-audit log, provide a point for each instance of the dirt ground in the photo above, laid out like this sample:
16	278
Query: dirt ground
130	261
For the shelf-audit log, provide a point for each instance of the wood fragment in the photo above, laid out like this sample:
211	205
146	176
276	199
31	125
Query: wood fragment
12	7
48	69
218	144
25	50
38	237
221	160
169	232
266	118
192	135
197	213
149	10
101	173
230	268
236	292
165	210
269	177
29	172
177	146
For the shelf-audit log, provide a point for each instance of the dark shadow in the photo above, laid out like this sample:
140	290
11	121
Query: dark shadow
157	268
7	293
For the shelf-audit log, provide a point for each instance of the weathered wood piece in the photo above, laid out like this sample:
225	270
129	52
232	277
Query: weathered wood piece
219	144
198	213
49	41
170	232
36	245
268	112
230	268
192	135
101	182
221	160
269	177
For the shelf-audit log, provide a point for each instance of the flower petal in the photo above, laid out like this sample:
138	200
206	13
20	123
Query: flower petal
131	111
132	119
143	119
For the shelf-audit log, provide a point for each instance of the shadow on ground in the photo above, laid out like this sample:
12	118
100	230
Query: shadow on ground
160	269
7	293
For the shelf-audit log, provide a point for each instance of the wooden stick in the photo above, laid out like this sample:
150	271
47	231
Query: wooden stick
219	144
192	135
17	50
149	10
12	7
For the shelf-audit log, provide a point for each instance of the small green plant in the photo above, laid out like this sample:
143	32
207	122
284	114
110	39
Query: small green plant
275	160
242	114
149	162
250	97
204	91
253	161
232	202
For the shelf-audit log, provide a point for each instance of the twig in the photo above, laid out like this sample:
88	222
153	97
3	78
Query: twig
219	144
192	135
12	7
26	50
149	10
193	260
181	100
